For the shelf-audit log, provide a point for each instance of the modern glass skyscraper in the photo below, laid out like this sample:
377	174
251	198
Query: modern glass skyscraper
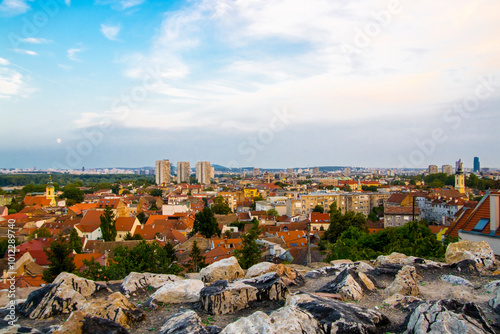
477	165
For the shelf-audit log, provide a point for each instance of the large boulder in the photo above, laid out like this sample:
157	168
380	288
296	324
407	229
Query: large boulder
405	283
114	307
140	281
402	302
186	322
495	301
289	275
290	319
350	284
480	252
455	280
81	323
226	269
185	291
395	258
336	316
223	297
447	316
66	294
6	328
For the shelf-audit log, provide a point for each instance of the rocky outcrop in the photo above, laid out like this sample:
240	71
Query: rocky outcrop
290	319
259	269
400	301
338	317
447	316
186	322
6	328
455	280
494	302
66	294
289	275
140	281
492	286
114	307
350	284
480	252
185	291
82	323
226	269
223	297
405	283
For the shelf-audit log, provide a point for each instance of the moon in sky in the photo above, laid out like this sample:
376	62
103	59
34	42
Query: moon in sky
59	140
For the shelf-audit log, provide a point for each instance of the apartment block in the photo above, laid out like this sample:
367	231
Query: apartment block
204	172
183	171
162	172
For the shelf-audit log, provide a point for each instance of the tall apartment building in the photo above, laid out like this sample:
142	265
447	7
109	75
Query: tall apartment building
204	172
477	165
162	172
433	169
256	171
447	169
183	171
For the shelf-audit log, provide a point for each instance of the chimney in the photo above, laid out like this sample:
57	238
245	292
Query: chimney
494	208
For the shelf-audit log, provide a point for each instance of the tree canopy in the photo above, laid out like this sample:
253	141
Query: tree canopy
340	223
197	260
108	228
250	252
318	208
59	258
220	206
206	223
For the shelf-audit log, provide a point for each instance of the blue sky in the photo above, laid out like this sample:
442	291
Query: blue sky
273	83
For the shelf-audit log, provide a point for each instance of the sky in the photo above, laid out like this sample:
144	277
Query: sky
265	83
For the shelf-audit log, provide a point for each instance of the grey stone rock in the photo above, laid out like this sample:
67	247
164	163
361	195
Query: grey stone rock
223	297
6	328
405	283
335	316
349	285
447	316
141	281
226	269
187	322
494	302
492	287
185	291
455	280
66	294
80	322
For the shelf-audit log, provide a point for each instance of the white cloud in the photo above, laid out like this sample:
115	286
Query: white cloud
120	4
13	7
34	40
11	83
4	61
25	52
72	54
110	32
67	2
130	3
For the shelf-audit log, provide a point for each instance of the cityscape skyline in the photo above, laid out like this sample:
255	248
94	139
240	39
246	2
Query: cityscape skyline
123	83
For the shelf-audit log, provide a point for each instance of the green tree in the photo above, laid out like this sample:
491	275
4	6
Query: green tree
319	208
273	213
170	251
340	223
220	206
108	228
41	232
129	236
59	258
197	261
74	194
206	223
156	192
141	216
250	252
75	242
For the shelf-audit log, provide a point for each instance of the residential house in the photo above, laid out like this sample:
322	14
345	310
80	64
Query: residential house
124	226
399	215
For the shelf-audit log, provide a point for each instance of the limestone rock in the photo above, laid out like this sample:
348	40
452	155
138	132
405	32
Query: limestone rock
405	283
349	285
492	286
226	269
66	294
470	250
456	280
289	275
396	258
495	302
137	281
259	269
185	291
114	307
400	301
82	323
325	271
6	328
336	262
222	297
338	317
447	316
185	322
290	319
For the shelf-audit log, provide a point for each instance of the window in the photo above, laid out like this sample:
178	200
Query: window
481	224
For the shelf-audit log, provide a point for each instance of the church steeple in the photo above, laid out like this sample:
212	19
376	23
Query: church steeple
459	177
50	192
